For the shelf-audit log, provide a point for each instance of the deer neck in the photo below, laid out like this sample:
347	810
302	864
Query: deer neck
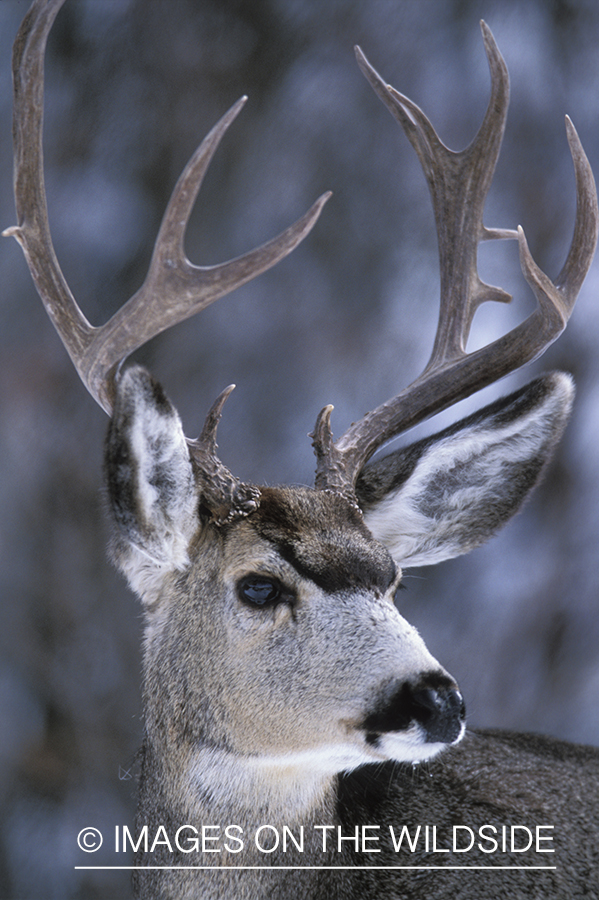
290	790
258	804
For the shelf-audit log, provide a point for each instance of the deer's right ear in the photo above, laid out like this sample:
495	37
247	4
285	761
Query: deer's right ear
151	487
447	494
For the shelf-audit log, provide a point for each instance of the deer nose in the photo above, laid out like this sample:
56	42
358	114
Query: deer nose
434	702
440	711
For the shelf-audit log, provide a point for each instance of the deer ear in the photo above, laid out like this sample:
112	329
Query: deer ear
448	493
150	480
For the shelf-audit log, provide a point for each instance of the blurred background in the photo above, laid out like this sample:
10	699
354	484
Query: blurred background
349	318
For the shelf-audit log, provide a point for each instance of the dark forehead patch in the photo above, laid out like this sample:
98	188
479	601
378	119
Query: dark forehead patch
324	538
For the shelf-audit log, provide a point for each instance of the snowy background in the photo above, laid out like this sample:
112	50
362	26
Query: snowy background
132	87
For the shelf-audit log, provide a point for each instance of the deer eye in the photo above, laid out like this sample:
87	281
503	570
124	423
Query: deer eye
259	591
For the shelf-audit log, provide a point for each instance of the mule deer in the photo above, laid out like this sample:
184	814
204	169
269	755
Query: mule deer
287	703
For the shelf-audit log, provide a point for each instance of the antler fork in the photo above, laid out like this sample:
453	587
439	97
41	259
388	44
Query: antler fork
459	183
174	288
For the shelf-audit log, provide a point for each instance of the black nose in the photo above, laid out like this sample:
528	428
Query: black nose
434	702
440	710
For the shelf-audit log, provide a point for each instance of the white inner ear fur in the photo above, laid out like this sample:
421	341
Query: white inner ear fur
166	496
422	526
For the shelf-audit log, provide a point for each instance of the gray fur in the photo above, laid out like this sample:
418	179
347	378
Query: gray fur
325	707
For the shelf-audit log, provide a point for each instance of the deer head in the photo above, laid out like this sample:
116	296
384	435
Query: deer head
274	654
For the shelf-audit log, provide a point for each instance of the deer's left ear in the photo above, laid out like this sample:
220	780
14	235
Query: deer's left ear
448	493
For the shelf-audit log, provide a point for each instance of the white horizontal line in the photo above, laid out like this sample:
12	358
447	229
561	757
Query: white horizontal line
274	868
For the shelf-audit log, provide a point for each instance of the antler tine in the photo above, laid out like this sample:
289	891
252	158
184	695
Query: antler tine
459	183
33	231
223	495
174	288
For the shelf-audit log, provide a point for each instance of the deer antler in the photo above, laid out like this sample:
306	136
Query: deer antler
174	288
459	183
